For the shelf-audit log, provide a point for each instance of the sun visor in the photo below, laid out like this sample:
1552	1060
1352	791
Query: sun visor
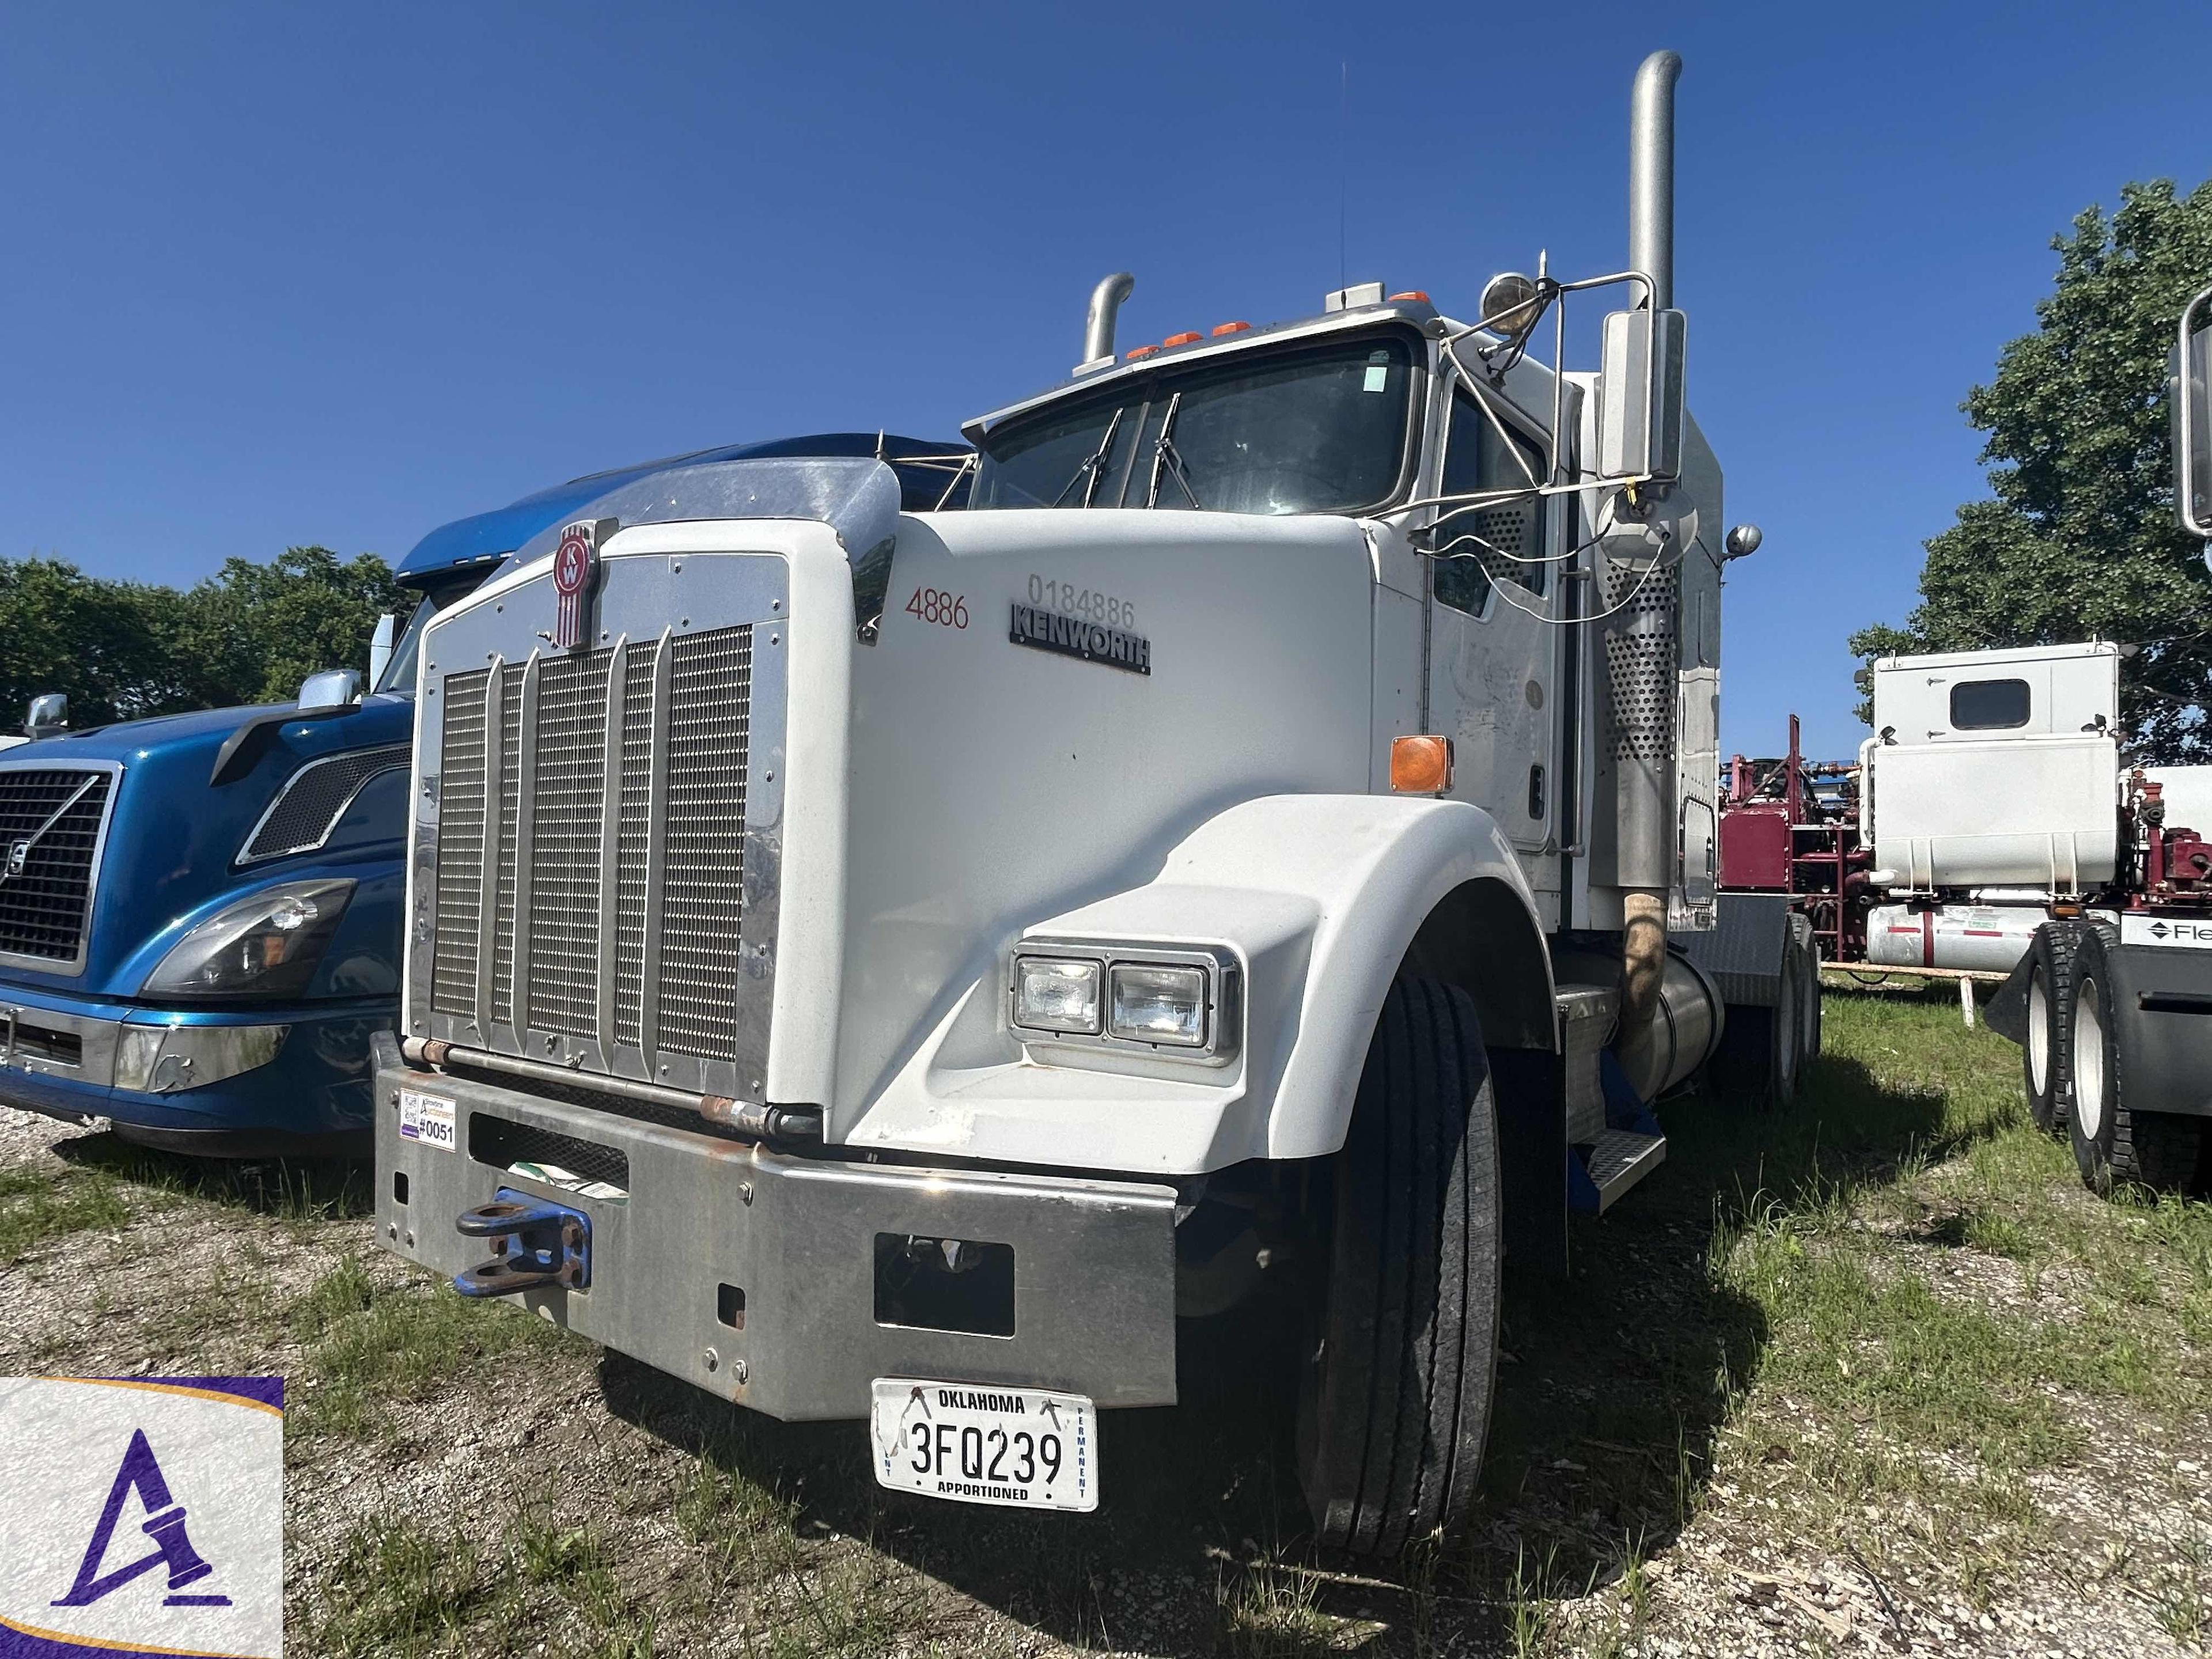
858	498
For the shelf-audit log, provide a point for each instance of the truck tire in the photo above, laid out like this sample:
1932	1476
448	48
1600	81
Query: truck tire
2113	1142
2050	1020
1393	1403
1809	993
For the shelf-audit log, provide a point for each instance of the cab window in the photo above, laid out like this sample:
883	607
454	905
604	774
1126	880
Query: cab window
1477	546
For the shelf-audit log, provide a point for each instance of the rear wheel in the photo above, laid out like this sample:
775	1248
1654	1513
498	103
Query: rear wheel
2113	1141
1808	958
1394	1398
2050	1022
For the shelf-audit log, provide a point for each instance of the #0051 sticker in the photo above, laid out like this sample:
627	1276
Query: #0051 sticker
141	1515
426	1118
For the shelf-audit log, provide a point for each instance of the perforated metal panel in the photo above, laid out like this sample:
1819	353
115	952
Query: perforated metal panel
1640	652
314	799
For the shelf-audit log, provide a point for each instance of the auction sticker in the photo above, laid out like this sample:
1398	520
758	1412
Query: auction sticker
426	1118
141	1515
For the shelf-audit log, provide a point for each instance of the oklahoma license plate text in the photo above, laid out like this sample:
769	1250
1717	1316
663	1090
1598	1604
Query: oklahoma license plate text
1024	1447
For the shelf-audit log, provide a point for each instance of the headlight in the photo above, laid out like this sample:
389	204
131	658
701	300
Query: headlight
265	945
1162	997
1056	994
1155	1004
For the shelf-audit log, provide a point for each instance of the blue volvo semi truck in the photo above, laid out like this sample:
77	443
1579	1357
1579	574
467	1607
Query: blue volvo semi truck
200	914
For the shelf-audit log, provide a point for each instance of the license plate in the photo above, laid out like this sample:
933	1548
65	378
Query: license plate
1028	1448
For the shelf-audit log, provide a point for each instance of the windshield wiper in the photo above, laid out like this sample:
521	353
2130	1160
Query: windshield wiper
1093	465
1165	454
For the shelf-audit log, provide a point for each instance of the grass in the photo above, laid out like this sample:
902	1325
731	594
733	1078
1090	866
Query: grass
373	1344
37	1208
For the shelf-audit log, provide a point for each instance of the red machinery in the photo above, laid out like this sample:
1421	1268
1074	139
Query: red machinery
1791	826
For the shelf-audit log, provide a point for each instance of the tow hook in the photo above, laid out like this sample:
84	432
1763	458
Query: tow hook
538	1245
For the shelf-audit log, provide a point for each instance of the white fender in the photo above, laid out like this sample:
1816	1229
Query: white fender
1319	897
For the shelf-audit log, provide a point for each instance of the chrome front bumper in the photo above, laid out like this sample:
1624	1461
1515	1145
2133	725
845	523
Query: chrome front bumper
760	1276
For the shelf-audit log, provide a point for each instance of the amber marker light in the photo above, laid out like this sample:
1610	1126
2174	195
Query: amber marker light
1420	766
1141	352
1182	339
1410	293
1220	329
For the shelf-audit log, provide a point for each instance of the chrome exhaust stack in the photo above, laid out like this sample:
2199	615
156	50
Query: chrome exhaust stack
1098	326
1643	642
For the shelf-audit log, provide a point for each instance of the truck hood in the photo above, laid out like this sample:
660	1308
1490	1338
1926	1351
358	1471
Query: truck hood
173	840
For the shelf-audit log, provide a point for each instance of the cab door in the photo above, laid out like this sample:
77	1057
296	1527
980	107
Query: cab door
1493	644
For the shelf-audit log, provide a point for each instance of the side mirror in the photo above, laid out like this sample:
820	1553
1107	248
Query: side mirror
380	648
334	688
48	716
1640	395
2191	385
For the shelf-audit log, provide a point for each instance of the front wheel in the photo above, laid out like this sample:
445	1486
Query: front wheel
2114	1141
1395	1398
2050	1023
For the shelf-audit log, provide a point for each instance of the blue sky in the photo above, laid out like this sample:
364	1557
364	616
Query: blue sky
339	274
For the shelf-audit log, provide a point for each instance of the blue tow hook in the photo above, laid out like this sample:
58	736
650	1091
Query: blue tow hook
538	1245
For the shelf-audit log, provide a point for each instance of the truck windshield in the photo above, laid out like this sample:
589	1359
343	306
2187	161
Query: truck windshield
436	596
1319	429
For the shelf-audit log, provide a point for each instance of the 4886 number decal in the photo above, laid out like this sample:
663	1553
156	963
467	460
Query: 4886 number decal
934	605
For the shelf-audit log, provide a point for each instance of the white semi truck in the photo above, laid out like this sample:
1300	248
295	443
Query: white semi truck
893	965
2113	1004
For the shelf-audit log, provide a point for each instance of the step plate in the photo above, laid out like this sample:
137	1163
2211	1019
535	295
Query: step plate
1621	1158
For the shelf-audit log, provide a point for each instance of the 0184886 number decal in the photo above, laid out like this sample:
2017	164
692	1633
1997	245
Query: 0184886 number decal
1086	602
934	605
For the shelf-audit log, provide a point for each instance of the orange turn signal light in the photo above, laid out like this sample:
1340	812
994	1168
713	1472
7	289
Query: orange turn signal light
1410	293
1220	329
1420	766
1182	339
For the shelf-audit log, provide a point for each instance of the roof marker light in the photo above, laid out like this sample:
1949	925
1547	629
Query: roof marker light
1141	351
1220	329
1182	339
1410	293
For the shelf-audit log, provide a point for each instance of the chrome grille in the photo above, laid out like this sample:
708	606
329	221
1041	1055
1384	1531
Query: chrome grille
564	844
56	815
629	863
699	951
460	842
656	966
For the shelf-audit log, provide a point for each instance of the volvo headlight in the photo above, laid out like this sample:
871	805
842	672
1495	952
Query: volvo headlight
1164	997
264	946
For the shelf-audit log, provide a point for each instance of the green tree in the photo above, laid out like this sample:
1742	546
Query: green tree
252	632
122	650
101	642
2080	539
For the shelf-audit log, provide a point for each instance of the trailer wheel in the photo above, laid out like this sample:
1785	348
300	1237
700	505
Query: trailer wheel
2050	1018
1394	1398
2113	1143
